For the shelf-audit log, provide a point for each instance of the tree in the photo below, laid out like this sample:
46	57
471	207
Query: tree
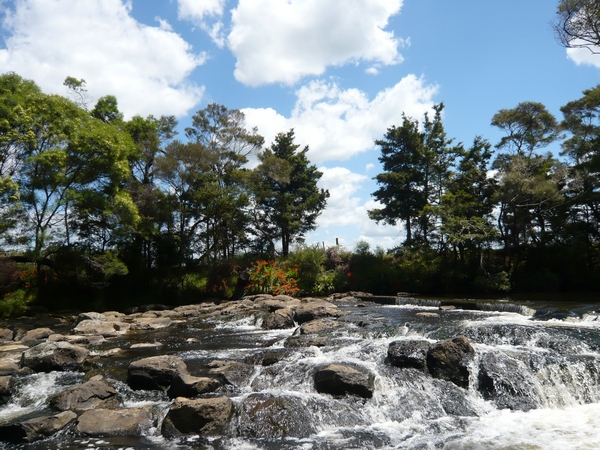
416	164
288	200
577	24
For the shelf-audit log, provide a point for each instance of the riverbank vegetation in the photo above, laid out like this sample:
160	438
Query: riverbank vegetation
120	212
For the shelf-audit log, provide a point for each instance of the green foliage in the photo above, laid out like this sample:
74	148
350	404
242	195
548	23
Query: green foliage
309	260
271	277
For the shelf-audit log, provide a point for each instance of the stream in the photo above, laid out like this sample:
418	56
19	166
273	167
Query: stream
541	360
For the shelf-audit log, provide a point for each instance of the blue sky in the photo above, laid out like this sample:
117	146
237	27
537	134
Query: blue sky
339	73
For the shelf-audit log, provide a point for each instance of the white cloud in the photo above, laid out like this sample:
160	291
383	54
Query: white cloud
338	124
145	67
279	41
584	56
342	207
197	12
369	167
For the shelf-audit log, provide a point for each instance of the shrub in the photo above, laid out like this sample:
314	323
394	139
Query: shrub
270	277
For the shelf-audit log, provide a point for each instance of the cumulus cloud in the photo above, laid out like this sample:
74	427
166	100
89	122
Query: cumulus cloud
338	124
342	205
145	67
584	56
278	41
198	12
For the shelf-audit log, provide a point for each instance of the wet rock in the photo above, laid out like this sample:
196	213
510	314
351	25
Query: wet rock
233	372
50	356
454	400
104	328
8	367
206	416
113	422
408	354
35	335
186	385
154	373
91	340
340	379
267	416
504	381
315	309
6	384
306	341
35	429
449	360
318	326
6	335
269	357
151	323
280	319
86	396
275	303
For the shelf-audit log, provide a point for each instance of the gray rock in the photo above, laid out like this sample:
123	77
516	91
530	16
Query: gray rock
151	323
233	372
50	356
340	379
186	385
35	429
35	335
86	396
90	316
315	309
268	416
106	328
113	422
206	416
154	373
318	326
449	360
408	354
280	319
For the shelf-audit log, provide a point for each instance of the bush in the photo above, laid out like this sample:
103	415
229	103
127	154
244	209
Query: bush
270	277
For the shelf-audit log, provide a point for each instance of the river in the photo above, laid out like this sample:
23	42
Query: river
543	359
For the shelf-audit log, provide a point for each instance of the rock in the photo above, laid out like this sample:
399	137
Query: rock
504	381
154	373
104	328
186	385
6	334
90	316
50	356
318	326
86	396
37	334
449	360
268	416
315	309
280	319
116	422
340	379
8	367
92	339
233	372
279	302
146	345
151	323
268	357
305	340
408	354
35	429
427	314
206	416
6	384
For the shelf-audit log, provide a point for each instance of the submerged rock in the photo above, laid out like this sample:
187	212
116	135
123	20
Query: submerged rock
449	360
207	416
408	354
155	372
92	394
112	422
340	379
268	416
35	429
50	356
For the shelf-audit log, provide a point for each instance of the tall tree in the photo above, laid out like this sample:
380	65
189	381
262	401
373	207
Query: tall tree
287	197
417	168
577	24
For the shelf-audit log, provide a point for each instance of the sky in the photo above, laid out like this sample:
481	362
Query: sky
340	73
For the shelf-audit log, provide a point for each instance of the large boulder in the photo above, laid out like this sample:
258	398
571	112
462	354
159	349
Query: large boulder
318	326
116	422
106	328
268	416
50	356
92	394
206	416
340	379
186	385
449	360
35	429
232	372
155	372
315	309
36	335
410	353
280	319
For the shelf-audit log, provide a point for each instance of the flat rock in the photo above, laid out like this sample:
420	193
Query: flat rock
340	379
318	326
154	373
86	396
106	328
36	335
312	309
186	385
146	345
8	367
91	316
50	356
113	422
91	339
205	416
35	429
151	323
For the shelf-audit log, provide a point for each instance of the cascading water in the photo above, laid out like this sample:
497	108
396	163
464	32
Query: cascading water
533	384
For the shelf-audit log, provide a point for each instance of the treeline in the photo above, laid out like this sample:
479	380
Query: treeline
510	217
94	204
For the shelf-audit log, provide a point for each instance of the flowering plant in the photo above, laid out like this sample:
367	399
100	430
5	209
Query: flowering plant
271	277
